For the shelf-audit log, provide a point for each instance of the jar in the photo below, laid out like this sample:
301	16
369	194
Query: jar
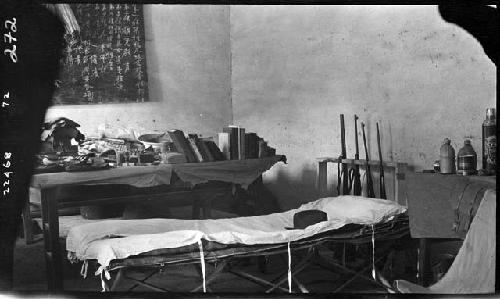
467	159
447	157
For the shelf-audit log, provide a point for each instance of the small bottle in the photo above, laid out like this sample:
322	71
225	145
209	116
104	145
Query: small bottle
489	141
467	159
447	157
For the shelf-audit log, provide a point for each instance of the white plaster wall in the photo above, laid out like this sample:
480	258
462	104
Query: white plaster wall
188	66
296	68
291	70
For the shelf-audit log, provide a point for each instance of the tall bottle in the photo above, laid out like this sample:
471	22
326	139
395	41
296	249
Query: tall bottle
467	159
447	157
489	141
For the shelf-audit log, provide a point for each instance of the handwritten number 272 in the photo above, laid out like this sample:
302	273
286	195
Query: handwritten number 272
11	25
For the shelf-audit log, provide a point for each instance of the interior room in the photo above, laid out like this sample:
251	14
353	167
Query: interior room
266	149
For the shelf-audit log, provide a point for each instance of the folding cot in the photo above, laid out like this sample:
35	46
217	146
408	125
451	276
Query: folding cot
119	245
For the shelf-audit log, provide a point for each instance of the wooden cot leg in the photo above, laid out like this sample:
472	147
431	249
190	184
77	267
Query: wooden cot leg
359	274
220	267
137	281
302	287
325	262
352	278
295	270
118	279
145	284
255	279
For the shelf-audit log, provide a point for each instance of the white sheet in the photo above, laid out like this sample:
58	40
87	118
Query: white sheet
473	270
478	252
117	239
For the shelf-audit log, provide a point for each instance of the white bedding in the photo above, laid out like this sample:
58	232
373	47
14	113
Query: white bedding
118	239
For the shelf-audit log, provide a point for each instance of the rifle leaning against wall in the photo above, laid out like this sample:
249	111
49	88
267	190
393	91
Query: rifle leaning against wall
355	177
369	179
343	176
382	180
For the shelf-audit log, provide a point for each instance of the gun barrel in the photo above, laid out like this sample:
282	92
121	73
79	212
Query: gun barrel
342	136
382	179
356	136
356	184
369	181
364	142
378	144
345	174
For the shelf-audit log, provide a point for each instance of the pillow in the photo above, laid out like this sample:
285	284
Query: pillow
356	209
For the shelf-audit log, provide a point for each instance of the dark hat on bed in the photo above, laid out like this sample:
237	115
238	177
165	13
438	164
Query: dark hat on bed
303	219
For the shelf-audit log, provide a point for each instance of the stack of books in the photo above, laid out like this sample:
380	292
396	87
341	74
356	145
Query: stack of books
194	148
236	144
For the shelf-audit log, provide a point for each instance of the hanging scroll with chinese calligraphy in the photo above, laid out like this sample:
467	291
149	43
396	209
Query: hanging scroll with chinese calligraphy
105	61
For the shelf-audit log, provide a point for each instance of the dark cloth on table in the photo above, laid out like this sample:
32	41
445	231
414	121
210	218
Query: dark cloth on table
442	206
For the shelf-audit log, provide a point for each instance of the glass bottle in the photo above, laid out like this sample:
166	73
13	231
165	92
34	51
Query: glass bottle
447	157
467	159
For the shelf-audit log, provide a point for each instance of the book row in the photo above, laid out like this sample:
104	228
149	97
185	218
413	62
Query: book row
233	144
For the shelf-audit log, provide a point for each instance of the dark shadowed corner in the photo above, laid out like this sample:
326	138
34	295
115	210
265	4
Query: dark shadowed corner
29	80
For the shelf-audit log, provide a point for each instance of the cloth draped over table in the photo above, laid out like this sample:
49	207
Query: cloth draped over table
441	206
118	239
242	172
473	270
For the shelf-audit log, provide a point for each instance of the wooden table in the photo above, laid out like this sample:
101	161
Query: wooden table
433	199
156	183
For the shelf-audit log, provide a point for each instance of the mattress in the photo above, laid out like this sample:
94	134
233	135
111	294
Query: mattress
108	240
355	234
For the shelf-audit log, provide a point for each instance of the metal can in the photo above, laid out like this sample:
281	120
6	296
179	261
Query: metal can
489	141
437	166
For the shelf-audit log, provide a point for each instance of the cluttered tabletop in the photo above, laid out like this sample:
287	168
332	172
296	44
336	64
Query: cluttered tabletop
81	159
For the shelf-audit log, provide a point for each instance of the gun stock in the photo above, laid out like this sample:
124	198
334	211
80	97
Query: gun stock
382	179
369	180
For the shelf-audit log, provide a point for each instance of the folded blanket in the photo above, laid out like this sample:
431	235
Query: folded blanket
118	239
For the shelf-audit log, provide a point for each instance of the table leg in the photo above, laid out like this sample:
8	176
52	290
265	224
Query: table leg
256	190
50	226
207	208
322	179
424	262
27	222
399	184
196	207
